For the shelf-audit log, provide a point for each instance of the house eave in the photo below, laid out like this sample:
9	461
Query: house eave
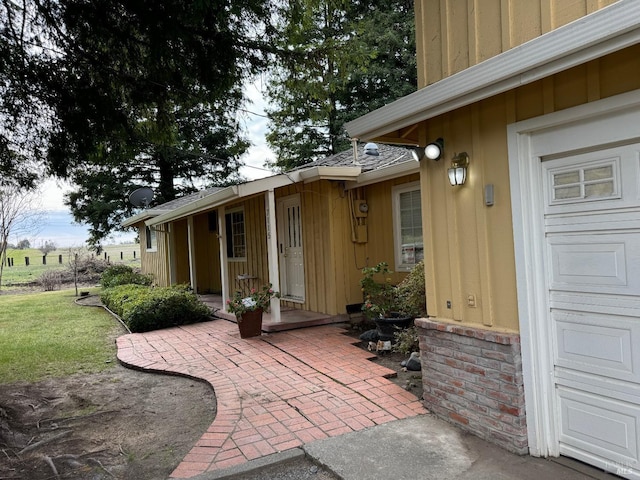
603	32
329	173
385	173
224	196
141	217
200	205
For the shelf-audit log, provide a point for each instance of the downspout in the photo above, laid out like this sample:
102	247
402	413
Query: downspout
173	265
192	255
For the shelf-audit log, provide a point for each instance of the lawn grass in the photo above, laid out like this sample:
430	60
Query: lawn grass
46	335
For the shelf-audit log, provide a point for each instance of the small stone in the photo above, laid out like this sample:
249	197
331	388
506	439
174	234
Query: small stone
313	469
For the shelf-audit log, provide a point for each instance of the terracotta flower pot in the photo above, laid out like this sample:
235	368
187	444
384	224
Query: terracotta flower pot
250	323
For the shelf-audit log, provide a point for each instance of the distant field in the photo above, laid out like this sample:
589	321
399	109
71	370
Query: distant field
21	274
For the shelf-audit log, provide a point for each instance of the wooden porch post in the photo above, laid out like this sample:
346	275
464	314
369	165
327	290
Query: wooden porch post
192	255
224	266
172	254
272	252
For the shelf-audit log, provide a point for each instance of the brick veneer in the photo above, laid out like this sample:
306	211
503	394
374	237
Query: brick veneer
472	378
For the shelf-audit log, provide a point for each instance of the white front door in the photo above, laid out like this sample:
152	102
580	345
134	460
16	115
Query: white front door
592	232
575	193
290	248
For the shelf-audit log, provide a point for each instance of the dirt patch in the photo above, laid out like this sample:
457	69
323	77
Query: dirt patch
407	379
120	424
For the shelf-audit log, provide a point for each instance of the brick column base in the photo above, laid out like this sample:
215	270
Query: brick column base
472	378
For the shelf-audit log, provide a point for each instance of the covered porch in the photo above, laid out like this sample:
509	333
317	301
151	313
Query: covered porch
290	318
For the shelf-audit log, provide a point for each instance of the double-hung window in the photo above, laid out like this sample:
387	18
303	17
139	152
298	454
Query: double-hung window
407	226
151	239
236	238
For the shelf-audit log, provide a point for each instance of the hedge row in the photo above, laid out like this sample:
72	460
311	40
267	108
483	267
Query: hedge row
143	308
123	275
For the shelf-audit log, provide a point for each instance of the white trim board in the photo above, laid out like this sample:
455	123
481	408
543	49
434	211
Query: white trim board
605	31
604	122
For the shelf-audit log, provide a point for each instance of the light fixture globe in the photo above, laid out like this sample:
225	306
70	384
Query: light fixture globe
458	171
434	150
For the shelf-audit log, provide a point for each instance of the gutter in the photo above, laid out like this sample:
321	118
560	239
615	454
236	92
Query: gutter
386	173
200	205
142	216
605	31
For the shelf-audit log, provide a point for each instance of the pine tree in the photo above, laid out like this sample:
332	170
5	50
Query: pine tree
345	59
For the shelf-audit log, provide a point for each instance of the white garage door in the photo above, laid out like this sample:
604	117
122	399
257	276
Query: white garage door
592	256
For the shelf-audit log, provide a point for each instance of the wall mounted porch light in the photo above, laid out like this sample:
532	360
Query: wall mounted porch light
432	151
458	171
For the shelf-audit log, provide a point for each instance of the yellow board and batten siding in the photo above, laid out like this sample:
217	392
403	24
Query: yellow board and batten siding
207	254
469	246
155	261
333	263
255	263
452	35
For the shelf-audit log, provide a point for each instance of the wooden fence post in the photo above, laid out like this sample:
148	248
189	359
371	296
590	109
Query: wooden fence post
26	261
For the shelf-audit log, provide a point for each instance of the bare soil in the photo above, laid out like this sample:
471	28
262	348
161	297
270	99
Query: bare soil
123	424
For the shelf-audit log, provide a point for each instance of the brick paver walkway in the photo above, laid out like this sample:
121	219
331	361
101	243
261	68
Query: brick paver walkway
274	392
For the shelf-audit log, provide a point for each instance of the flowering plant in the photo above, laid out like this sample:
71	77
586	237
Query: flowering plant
257	299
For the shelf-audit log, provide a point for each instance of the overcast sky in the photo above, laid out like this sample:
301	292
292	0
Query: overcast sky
60	228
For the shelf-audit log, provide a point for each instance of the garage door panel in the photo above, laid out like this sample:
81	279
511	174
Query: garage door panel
597	180
595	263
594	221
592	235
600	425
596	345
603	303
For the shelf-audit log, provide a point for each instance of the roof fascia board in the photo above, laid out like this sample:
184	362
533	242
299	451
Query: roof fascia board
268	183
141	217
198	206
608	30
329	173
226	195
386	173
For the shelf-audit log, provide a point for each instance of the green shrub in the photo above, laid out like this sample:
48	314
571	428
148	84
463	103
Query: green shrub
406	341
116	298
143	308
123	275
411	292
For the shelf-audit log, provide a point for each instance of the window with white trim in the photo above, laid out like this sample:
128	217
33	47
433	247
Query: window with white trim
151	239
236	238
407	226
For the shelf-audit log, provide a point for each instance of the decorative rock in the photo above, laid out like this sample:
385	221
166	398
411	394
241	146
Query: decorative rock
414	362
370	336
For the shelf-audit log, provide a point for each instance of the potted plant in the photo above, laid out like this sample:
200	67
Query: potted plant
249	309
386	304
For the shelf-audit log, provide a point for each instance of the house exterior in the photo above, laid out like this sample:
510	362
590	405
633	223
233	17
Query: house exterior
532	338
308	232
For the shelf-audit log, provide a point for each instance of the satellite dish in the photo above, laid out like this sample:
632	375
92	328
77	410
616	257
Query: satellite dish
141	197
